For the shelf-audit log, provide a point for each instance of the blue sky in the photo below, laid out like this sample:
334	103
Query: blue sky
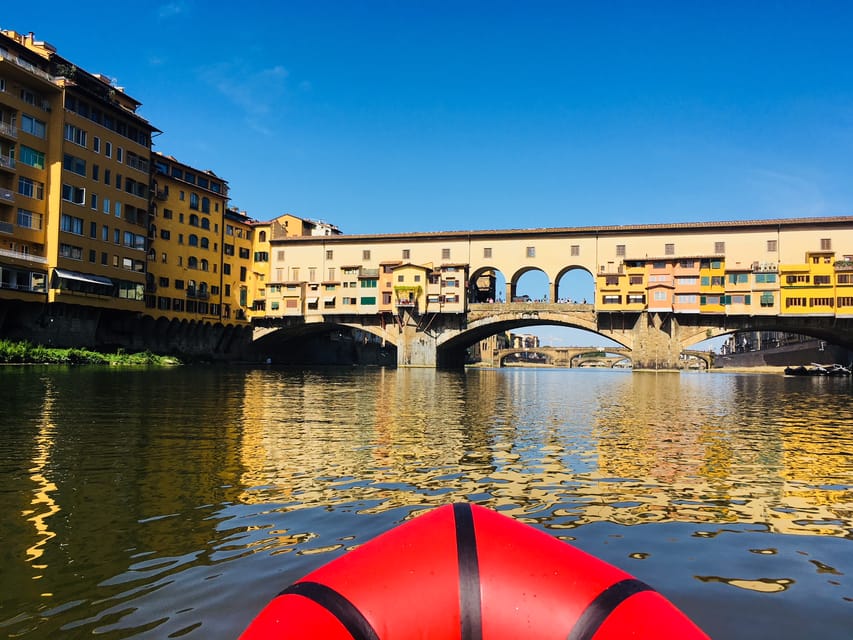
406	116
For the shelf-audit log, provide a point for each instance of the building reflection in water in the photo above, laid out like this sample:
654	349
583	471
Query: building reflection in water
563	450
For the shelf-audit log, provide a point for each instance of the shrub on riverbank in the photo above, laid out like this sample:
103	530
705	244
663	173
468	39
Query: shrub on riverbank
27	353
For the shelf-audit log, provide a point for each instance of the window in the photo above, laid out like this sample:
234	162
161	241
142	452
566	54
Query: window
636	279
530	252
242	274
205	205
365	255
192	240
369	284
29	219
75	135
719	247
368	300
487	252
30	188
204	243
74	164
660	295
108	149
771	246
767	299
193	220
32	126
71	224
262	256
576	250
244	253
823	280
31	157
738	278
70	251
194	201
826	244
70	193
685	280
445	254
107	205
686	298
620	250
96	144
669	249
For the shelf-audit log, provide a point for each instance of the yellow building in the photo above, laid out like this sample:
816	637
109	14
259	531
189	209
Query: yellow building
187	275
74	182
236	265
809	288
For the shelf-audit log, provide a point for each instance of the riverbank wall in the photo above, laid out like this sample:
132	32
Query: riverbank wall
65	326
802	353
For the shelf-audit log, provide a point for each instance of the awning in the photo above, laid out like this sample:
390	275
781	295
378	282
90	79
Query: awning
83	277
329	300
312	300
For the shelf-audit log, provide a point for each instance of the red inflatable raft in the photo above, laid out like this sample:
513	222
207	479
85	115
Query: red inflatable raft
466	572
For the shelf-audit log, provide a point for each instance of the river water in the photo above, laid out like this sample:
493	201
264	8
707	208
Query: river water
176	503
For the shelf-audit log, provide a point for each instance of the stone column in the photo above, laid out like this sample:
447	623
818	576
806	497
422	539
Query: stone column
657	343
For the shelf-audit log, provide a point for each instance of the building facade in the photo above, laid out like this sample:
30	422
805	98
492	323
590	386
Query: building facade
74	182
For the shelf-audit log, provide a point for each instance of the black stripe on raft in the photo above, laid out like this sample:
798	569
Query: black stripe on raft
604	604
470	609
344	610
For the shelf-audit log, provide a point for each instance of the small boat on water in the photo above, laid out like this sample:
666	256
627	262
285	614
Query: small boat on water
815	369
464	571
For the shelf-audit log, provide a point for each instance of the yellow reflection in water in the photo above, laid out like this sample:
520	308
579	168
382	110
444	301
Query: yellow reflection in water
44	506
559	447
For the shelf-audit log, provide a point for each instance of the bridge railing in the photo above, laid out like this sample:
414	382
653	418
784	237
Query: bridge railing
530	306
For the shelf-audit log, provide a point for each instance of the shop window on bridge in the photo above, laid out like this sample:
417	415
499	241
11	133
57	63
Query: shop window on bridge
820	302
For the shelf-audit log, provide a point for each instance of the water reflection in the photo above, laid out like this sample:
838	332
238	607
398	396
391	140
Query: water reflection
626	448
149	504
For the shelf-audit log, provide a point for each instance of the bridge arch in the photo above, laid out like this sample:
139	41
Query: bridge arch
501	318
515	281
484	285
574	282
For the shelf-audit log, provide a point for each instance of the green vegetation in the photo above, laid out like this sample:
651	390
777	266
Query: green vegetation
26	353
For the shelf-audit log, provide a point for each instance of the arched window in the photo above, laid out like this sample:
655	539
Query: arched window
205	243
192	262
193	220
205	205
152	231
204	264
193	240
194	201
262	236
205	223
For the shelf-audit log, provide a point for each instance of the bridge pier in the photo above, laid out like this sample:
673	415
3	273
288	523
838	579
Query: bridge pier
657	341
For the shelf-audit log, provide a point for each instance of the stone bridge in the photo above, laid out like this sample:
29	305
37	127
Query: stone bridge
651	340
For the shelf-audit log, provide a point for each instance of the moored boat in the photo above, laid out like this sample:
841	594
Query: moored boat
818	370
463	571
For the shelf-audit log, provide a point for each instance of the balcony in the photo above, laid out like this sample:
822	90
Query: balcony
6	195
29	257
6	227
8	130
844	265
7	162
